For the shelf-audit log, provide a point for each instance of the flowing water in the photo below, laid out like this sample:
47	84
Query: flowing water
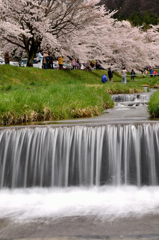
105	203
107	171
136	97
79	156
127	101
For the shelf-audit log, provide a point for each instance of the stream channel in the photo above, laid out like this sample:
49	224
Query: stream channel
84	178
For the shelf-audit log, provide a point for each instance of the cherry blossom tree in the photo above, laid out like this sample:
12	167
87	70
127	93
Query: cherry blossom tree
30	25
76	28
116	43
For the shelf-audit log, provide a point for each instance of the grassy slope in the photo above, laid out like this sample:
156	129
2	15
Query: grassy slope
30	94
153	106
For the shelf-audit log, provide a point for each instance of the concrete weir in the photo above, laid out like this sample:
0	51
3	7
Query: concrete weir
85	179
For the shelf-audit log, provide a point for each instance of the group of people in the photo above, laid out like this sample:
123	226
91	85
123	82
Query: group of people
46	60
75	64
95	65
124	75
110	75
152	72
123	72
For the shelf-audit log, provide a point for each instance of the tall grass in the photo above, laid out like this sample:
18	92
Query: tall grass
153	105
52	103
49	95
30	94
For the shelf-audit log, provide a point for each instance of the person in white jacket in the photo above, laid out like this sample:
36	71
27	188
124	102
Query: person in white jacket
124	71
40	59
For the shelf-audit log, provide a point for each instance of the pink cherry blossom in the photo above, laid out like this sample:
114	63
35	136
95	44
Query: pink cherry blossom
79	29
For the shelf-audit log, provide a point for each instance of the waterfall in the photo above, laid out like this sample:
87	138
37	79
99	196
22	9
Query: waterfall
136	97
76	156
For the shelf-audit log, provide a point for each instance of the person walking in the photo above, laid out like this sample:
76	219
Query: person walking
124	71
104	78
6	58
132	74
73	64
154	73
143	73
92	64
151	73
77	64
40	59
97	65
60	61
110	75
50	61
45	60
146	72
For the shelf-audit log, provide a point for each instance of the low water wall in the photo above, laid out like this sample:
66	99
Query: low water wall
136	97
75	156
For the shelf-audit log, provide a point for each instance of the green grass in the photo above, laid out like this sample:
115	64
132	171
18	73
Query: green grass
153	106
30	94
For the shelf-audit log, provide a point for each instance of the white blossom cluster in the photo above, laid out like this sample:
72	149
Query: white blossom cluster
76	28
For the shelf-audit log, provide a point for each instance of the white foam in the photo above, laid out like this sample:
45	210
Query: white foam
103	202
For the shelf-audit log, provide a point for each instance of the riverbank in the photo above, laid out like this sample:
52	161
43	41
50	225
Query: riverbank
153	107
31	95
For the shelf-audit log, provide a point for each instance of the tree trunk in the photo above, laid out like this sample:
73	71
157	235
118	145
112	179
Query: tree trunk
31	56
32	50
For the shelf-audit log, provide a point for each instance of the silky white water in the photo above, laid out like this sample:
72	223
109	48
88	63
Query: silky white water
80	156
106	172
102	202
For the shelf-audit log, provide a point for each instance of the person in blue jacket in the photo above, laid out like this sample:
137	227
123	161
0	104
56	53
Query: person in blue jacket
151	73
104	78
